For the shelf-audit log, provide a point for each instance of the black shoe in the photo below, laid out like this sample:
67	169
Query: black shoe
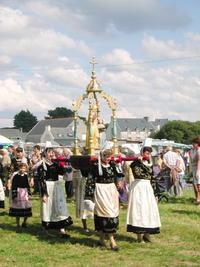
147	239
140	238
65	236
114	248
101	244
18	229
24	225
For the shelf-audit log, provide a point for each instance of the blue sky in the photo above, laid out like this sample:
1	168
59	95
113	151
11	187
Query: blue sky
46	46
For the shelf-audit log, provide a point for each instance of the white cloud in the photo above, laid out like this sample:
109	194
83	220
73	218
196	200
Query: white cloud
167	91
5	60
30	39
31	94
6	122
44	49
75	78
194	36
12	21
118	57
160	48
106	17
128	15
46	45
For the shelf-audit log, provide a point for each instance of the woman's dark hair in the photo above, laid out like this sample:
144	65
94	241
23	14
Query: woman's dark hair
147	148
106	153
19	149
196	140
48	149
21	165
37	147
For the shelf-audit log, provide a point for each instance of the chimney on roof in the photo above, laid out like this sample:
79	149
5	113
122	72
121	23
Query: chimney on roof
146	119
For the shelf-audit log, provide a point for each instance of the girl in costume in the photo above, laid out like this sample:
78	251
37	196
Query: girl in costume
20	196
88	202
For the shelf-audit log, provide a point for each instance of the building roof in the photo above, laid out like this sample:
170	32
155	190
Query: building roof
35	133
137	125
59	123
132	124
12	133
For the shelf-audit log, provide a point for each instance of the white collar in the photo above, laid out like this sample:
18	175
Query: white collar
105	165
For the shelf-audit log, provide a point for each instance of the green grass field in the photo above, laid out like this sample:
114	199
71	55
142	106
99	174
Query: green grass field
177	245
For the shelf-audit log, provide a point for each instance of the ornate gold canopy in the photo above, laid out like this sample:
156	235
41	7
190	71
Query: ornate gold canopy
94	93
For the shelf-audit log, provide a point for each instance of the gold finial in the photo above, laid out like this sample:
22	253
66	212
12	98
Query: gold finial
93	85
93	63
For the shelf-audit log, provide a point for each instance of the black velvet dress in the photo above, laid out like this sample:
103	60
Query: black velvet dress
20	192
106	197
54	211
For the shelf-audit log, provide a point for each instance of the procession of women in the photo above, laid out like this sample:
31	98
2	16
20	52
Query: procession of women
105	183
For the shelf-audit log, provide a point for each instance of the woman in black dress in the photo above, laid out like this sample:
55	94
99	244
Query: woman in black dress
107	178
54	211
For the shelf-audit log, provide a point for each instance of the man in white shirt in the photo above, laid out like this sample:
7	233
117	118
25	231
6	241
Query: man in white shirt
172	161
170	158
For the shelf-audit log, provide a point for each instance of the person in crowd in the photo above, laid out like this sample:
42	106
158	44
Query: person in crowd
11	151
54	208
181	173
129	178
20	196
15	163
35	161
158	164
107	179
88	201
6	163
172	164
186	158
143	215
68	176
2	189
195	157
123	167
58	153
18	159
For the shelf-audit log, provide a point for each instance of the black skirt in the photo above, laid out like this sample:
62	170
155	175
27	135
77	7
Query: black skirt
13	212
105	224
58	225
2	204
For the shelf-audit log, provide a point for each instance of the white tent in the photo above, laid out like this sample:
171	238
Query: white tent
5	141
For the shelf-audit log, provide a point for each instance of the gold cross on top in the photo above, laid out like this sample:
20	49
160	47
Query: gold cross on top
93	62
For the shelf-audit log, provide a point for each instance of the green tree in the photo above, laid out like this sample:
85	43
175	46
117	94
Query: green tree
25	120
60	112
179	131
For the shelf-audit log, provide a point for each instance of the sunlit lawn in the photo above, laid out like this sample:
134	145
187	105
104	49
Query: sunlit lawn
177	245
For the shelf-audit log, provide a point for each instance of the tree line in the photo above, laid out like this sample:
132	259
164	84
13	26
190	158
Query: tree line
179	131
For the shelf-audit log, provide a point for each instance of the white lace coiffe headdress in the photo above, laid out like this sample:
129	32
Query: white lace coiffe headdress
106	148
